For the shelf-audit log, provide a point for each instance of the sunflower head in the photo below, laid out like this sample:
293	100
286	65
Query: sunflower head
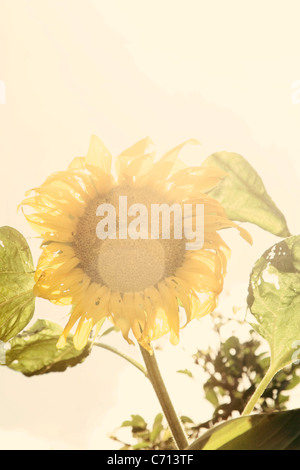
148	284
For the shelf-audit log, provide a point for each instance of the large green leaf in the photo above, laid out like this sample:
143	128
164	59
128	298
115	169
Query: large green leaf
243	194
274	431
34	351
274	300
17	300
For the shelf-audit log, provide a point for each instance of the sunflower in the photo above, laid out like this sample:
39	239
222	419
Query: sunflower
146	287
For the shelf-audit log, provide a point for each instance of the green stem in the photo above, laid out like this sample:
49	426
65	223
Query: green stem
164	399
259	391
123	355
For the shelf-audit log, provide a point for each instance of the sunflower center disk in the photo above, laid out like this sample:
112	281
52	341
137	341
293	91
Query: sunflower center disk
125	265
131	265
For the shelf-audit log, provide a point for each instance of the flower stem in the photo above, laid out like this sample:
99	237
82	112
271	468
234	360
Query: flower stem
259	391
164	399
123	355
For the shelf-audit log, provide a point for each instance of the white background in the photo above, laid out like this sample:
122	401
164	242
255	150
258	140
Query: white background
218	71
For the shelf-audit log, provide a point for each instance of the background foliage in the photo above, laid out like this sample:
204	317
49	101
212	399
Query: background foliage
233	373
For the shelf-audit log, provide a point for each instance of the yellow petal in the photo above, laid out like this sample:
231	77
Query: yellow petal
135	161
82	333
201	178
62	341
170	163
99	325
171	310
77	163
74	316
68	180
130	313
187	296
98	155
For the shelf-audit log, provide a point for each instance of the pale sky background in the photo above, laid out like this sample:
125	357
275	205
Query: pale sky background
221	72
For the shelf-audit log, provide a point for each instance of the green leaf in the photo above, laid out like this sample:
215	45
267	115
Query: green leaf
34	351
293	383
17	301
186	419
211	396
274	300
273	431
137	423
185	372
243	194
142	445
157	427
